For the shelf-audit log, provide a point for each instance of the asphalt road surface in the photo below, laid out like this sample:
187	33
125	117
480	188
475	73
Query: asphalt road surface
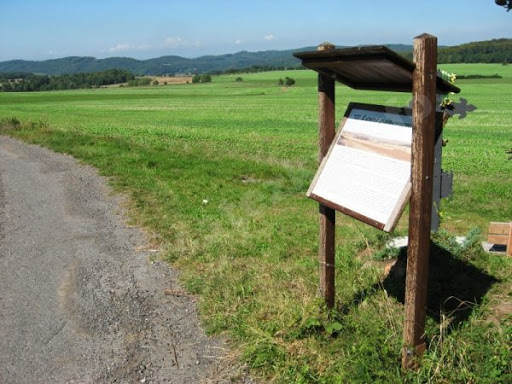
80	300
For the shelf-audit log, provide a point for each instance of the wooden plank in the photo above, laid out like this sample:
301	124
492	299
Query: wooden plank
509	244
370	52
418	253
501	234
369	67
496	228
498	239
399	208
327	216
349	212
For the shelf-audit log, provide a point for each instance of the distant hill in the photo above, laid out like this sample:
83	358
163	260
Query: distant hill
492	51
158	66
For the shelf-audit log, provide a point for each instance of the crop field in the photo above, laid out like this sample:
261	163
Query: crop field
218	172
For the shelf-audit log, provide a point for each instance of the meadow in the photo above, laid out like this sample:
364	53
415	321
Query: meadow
217	173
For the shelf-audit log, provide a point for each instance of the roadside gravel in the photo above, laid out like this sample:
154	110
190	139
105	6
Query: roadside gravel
80	300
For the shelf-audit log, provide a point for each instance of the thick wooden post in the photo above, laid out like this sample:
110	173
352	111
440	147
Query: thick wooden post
327	216
423	136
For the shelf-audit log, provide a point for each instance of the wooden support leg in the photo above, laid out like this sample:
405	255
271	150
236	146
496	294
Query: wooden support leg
326	254
326	133
420	213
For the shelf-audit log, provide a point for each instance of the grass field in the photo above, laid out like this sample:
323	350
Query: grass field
218	173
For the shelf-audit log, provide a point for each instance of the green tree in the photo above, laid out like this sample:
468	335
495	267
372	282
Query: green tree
289	81
206	78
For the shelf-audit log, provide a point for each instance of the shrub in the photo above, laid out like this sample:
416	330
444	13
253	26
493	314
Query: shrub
206	78
139	82
289	81
495	76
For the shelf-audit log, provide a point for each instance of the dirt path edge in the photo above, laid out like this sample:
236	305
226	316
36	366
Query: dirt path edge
80	298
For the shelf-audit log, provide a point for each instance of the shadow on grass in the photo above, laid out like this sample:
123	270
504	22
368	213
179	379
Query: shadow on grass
455	287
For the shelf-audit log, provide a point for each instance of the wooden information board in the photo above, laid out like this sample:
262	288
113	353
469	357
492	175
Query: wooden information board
366	173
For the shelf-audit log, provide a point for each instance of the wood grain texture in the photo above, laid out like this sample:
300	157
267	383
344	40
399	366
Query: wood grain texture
498	239
501	234
370	68
424	99
327	216
497	228
509	244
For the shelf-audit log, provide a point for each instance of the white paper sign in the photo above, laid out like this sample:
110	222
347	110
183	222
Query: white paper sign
366	173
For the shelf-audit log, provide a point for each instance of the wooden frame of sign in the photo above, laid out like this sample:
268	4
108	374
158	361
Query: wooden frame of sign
366	172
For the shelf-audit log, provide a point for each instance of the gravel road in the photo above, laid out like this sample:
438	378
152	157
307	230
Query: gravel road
80	300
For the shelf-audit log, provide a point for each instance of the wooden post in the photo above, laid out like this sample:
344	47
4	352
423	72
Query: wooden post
423	136
327	216
509	242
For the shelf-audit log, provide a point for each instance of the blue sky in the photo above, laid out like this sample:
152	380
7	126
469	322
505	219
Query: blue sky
46	29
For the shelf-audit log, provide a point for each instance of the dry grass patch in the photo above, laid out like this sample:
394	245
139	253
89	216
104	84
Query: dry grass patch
172	80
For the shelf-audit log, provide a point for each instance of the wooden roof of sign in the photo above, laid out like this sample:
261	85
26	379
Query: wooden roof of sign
367	68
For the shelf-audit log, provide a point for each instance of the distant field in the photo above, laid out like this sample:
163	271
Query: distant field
218	172
171	80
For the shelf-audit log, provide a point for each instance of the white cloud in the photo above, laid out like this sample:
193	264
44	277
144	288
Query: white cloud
168	43
128	47
269	37
120	48
144	47
238	42
178	42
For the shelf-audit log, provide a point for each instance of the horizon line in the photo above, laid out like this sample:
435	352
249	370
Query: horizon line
233	53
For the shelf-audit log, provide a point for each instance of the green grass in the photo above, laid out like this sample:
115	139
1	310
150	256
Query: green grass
250	150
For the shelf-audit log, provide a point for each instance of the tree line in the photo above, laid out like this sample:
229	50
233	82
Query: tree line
492	51
27	82
256	69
